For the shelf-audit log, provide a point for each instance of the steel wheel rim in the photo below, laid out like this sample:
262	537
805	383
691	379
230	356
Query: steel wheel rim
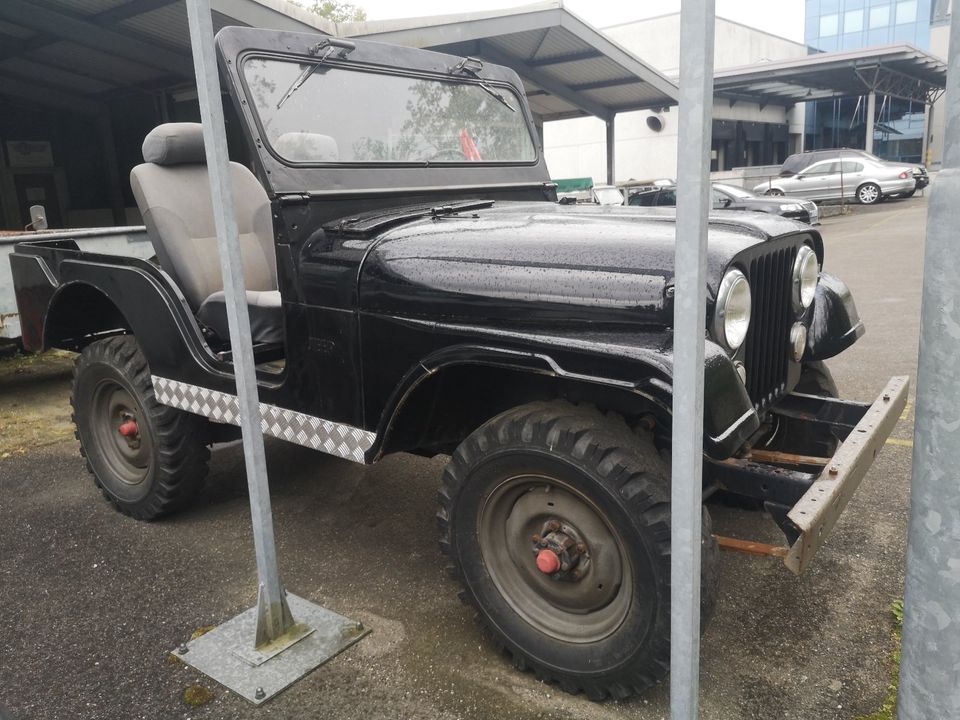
128	459
868	194
583	611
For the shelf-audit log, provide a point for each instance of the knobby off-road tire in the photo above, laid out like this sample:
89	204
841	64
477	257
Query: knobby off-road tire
608	632
159	465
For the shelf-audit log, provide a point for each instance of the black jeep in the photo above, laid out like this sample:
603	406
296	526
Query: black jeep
414	286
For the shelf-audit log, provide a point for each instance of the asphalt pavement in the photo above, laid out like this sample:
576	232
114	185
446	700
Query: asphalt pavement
93	601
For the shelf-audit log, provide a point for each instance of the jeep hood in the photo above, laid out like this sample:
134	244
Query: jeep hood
530	263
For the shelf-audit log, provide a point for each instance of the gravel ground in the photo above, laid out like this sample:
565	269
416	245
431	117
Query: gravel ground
94	601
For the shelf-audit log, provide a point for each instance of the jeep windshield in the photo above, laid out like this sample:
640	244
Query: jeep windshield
345	114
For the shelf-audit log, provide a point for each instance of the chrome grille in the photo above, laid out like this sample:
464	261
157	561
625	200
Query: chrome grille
767	347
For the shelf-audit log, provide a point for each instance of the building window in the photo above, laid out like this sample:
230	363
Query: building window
906	12
853	21
829	25
879	17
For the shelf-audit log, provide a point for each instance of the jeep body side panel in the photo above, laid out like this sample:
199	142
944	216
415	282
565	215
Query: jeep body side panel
34	286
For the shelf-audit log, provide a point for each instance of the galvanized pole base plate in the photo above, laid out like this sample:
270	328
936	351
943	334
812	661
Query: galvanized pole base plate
227	655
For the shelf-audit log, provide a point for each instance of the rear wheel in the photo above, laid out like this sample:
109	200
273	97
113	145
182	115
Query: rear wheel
147	458
556	520
869	194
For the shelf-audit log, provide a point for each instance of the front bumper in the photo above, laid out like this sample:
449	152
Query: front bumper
804	492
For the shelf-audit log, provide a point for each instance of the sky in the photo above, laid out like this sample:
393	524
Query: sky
780	17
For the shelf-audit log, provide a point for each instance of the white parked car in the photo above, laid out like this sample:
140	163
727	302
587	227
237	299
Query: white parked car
866	180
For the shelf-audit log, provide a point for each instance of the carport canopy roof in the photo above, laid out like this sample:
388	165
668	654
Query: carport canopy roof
77	53
568	68
901	71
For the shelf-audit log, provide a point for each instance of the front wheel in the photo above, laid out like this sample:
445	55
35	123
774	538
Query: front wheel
774	192
557	521
147	458
869	194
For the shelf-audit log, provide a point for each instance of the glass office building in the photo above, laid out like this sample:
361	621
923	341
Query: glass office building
837	25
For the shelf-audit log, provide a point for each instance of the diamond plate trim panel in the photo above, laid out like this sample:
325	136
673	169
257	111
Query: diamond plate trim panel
326	436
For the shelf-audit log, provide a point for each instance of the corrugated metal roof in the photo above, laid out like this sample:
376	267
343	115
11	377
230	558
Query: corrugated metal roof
15	31
898	70
85	7
167	25
567	64
96	63
75	81
548	46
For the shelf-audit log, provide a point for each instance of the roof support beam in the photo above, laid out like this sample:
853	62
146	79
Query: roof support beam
542	80
570	57
83	32
130	9
600	84
49	96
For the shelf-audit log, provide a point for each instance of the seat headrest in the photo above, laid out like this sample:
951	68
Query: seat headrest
307	147
174	144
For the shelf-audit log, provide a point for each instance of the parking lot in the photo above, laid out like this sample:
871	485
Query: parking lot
93	601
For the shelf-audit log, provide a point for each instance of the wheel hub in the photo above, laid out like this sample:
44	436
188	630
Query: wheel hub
560	551
554	558
126	448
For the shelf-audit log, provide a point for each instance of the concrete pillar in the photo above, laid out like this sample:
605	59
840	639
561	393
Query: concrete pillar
611	151
871	114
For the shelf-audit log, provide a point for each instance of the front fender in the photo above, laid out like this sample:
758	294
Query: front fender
637	363
836	324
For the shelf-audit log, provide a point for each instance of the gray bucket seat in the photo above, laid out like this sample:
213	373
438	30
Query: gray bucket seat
172	189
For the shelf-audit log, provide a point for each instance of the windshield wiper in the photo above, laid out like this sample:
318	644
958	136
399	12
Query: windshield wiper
471	66
328	46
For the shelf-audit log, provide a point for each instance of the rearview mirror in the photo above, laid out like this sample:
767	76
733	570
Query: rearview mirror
38	217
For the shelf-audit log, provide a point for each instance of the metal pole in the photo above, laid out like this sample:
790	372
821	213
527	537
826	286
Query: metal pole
611	151
929	670
274	617
871	114
689	320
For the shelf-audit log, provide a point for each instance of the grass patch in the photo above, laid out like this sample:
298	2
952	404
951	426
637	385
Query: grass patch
888	710
197	695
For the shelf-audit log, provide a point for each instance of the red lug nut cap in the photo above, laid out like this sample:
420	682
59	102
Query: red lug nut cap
129	428
547	561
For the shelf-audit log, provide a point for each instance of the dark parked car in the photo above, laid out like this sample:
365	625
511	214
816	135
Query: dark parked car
730	197
801	161
414	286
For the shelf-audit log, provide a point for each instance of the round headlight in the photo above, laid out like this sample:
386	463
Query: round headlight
731	317
806	274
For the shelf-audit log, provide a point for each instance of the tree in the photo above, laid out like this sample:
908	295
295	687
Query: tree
336	11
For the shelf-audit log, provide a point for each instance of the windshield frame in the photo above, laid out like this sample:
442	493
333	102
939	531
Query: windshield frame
350	65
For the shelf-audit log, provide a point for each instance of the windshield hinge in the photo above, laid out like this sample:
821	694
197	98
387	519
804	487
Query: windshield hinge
293	199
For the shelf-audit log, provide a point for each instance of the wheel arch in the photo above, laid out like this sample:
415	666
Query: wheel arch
441	403
80	313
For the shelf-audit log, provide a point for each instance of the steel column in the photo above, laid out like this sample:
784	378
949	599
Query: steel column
871	115
693	202
611	150
274	619
929	671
